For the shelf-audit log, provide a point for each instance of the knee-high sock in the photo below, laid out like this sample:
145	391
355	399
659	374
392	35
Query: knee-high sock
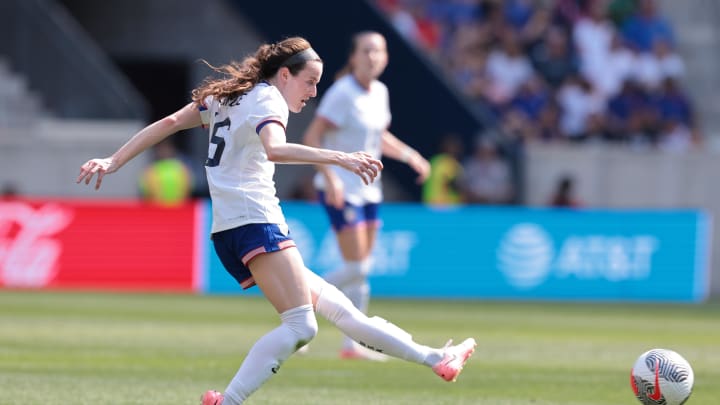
263	360
348	273
374	333
358	292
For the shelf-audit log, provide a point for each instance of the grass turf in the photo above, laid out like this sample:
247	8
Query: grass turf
103	348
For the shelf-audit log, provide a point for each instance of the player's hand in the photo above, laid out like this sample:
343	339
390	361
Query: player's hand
362	164
93	166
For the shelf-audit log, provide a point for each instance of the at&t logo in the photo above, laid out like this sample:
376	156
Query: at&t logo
525	255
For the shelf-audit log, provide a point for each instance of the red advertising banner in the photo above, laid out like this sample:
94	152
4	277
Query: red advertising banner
119	245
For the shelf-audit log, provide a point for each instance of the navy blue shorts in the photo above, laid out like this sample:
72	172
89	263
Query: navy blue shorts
236	247
350	215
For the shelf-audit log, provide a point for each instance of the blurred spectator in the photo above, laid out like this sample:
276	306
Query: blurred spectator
620	64
673	107
593	36
518	13
441	187
663	62
568	12
628	112
168	180
468	71
401	19
536	28
554	58
564	193
671	102
429	34
578	102
486	176
452	13
646	26
412	21
532	98
507	69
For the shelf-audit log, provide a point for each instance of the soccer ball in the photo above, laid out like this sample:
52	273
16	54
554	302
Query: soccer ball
662	377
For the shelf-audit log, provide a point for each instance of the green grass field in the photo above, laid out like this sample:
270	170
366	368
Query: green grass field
100	348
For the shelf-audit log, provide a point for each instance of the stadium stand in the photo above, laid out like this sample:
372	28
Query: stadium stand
19	106
565	59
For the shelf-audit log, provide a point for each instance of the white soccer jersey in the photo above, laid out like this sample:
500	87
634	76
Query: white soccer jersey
361	117
240	176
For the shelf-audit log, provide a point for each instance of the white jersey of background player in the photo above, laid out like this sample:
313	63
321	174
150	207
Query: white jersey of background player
360	116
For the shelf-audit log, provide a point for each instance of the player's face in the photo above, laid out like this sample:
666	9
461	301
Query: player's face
303	86
370	57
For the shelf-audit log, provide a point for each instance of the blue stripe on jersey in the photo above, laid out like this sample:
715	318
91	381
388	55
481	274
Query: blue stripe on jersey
262	124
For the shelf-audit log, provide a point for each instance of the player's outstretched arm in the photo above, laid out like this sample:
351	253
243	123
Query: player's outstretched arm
280	151
186	117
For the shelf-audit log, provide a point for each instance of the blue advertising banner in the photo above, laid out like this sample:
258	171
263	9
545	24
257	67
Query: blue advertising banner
515	253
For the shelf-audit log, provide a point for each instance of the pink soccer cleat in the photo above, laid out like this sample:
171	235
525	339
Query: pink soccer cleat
454	359
212	398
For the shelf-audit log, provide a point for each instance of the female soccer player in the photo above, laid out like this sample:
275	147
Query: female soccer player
353	115
246	113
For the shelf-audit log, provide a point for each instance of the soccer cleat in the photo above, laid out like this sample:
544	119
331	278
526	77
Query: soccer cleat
212	398
361	353
454	359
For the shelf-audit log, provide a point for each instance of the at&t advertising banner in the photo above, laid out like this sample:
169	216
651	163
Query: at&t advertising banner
516	253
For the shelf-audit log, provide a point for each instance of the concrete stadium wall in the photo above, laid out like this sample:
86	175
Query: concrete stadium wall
612	177
43	160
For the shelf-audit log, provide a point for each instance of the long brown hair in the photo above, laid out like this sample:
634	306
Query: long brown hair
242	77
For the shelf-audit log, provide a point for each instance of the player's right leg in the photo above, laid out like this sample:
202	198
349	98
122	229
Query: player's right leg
382	336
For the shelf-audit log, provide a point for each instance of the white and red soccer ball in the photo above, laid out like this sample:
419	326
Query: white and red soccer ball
662	377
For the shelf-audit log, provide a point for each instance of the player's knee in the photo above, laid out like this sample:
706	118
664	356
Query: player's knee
302	323
307	332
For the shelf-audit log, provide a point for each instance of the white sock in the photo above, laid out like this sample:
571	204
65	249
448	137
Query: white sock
348	273
358	292
266	356
374	333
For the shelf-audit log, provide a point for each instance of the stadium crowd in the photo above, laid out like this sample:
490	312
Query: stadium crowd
560	70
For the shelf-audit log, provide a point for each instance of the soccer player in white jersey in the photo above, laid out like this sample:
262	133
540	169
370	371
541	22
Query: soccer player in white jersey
354	114
246	113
